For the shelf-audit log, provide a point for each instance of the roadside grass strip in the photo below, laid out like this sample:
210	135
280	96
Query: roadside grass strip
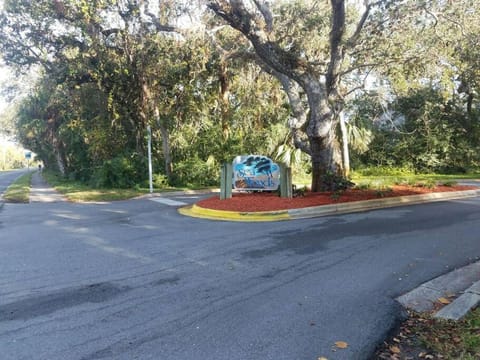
19	190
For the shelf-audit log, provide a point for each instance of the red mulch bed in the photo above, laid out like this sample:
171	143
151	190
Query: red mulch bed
265	201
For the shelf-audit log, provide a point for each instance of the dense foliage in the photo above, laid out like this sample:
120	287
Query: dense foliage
110	69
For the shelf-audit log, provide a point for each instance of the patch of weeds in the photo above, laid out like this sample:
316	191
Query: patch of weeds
449	183
423	337
405	181
364	186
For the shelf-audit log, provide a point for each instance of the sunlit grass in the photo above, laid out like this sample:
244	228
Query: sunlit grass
394	176
19	190
76	191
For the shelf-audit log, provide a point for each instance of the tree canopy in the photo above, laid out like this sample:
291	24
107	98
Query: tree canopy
246	76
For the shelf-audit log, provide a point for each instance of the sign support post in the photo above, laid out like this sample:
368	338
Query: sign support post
285	182
226	181
150	171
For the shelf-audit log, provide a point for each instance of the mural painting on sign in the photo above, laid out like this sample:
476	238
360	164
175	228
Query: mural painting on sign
255	173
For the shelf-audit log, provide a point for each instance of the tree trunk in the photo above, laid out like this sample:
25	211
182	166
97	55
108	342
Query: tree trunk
345	150
326	159
60	162
165	144
325	148
224	99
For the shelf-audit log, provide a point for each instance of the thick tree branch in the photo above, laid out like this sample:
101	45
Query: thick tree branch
267	14
336	46
237	16
352	41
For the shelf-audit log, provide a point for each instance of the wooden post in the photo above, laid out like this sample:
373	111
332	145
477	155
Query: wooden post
285	181
226	181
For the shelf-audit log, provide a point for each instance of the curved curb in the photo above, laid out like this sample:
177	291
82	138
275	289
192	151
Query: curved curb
204	213
324	210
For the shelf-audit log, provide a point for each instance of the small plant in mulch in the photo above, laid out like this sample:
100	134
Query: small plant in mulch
383	191
429	184
299	191
336	195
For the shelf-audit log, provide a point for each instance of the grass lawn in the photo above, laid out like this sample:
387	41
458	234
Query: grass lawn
385	180
76	191
19	190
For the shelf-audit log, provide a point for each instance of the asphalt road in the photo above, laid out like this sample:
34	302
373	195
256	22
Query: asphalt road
135	280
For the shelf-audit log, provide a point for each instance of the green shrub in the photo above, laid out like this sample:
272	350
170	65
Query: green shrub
119	172
194	172
333	182
160	181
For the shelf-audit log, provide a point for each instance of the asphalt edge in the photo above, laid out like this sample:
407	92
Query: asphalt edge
325	210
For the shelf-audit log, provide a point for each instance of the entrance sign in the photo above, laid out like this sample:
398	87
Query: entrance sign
255	172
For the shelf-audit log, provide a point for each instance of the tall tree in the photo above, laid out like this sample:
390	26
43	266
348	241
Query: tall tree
321	51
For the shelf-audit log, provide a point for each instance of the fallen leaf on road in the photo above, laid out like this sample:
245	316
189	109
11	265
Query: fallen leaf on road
322	358
444	301
341	344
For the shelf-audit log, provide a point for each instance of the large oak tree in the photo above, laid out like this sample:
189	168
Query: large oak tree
320	52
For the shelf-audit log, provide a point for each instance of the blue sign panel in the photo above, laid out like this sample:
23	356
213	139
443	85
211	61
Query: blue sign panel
255	172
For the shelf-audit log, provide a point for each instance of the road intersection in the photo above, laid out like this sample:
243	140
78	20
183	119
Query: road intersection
134	279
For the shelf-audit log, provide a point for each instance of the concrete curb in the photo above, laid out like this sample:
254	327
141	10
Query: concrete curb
424	297
324	210
462	305
204	213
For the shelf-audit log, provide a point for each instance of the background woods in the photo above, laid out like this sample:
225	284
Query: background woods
392	83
